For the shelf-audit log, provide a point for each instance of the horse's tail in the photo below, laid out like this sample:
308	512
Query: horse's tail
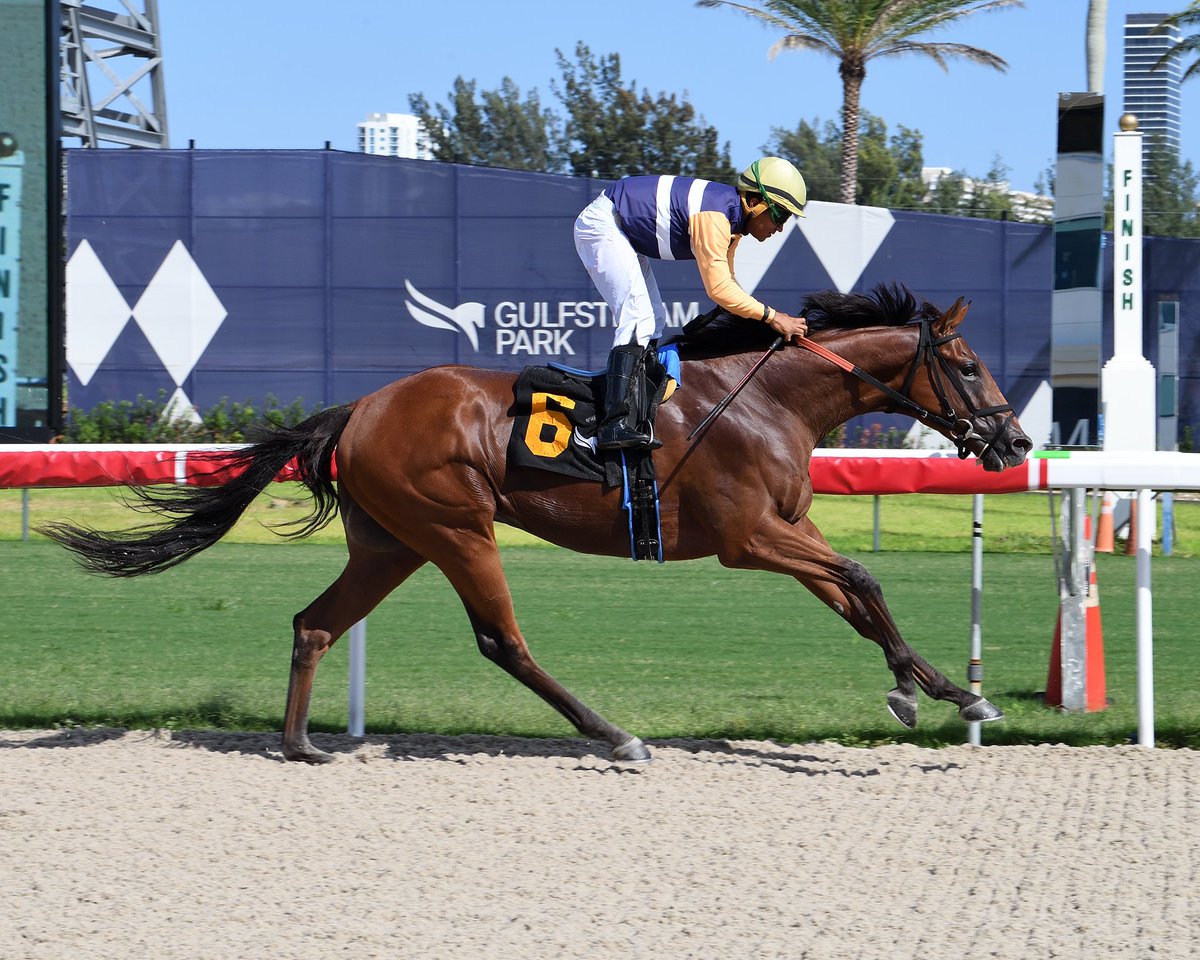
193	518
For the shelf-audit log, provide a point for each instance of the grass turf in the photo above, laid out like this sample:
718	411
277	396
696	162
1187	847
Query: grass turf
684	649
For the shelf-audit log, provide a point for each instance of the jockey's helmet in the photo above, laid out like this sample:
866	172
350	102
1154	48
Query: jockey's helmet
779	183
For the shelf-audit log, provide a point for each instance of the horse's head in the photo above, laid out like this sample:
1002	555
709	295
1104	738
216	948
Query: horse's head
970	408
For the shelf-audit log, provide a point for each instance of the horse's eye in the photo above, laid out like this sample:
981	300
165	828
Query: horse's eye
970	369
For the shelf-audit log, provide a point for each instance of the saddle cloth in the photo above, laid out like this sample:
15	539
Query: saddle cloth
554	428
554	422
555	418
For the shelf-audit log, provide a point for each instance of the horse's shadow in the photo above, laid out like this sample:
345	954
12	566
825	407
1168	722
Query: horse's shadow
812	760
63	737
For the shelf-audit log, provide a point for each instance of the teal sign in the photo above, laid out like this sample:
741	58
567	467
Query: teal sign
30	267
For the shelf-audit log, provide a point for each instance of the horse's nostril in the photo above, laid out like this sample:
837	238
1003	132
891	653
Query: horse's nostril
1022	444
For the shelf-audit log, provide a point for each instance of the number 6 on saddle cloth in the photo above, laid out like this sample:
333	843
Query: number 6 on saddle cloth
554	428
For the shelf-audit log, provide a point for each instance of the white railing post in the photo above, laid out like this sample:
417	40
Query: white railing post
975	666
356	719
1145	637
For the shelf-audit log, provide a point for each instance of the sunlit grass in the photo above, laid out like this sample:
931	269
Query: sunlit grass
1013	523
686	649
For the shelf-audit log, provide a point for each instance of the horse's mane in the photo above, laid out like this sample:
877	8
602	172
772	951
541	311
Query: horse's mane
887	305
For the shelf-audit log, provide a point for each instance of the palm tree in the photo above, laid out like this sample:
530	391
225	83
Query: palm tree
1189	44
857	31
1097	19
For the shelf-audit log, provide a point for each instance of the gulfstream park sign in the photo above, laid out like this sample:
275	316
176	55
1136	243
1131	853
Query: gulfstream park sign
526	327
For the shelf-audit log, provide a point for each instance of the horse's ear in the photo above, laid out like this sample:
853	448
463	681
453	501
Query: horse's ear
950	320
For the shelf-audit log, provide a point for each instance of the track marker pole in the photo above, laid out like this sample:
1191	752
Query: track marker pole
1145	637
356	716
975	666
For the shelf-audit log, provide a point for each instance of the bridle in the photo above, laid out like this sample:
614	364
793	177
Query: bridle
961	430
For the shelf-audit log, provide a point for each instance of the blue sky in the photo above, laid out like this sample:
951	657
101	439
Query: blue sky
287	75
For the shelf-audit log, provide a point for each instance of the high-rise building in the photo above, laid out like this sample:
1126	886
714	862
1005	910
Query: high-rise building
393	135
1152	95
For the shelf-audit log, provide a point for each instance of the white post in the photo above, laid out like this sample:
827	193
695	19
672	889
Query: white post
975	666
1127	382
356	719
1128	387
1145	636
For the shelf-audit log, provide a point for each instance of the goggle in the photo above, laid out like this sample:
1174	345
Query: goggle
778	216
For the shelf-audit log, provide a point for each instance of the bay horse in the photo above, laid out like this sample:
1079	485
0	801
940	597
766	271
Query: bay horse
422	476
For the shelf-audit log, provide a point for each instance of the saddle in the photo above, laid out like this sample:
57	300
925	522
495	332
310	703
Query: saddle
554	428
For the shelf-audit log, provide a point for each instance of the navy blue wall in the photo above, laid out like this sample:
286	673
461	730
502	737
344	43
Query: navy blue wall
324	262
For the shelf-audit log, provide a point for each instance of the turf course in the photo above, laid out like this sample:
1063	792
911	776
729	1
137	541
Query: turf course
685	649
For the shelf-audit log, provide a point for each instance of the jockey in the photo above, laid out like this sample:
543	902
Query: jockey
638	219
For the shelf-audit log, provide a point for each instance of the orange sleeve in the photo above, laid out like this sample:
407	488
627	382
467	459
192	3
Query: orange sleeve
713	244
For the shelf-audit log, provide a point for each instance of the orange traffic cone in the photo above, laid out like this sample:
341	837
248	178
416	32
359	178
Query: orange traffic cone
1095	692
1104	529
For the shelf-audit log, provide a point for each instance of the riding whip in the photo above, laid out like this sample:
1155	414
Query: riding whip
716	411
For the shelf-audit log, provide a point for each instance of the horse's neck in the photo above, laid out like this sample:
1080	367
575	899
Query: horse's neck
886	353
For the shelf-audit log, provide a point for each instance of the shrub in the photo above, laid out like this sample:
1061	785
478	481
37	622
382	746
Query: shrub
147	421
870	437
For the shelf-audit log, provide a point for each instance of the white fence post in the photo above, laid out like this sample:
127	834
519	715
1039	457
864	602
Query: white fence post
356	719
975	666
1145	637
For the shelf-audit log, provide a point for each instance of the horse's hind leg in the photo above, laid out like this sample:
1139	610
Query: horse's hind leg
369	576
472	564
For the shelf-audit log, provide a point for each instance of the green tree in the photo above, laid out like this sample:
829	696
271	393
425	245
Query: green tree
889	172
612	131
989	198
496	127
854	32
1169	190
948	194
814	149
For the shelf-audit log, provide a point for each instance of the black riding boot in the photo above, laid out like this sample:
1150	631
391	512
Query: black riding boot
618	430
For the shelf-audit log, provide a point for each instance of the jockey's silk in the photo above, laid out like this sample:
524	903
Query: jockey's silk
656	212
662	218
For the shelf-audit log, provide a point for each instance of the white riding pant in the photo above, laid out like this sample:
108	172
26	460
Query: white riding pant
621	275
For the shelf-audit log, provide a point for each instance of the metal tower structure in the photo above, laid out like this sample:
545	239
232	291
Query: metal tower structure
112	87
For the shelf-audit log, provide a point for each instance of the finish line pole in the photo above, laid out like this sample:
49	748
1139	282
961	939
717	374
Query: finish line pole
975	666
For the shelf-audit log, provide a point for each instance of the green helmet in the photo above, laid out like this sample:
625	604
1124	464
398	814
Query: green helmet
778	182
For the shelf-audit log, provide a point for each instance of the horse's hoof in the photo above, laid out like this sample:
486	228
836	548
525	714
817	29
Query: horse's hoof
631	751
903	707
306	753
981	712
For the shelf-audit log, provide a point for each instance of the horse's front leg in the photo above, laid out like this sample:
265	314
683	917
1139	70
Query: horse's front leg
850	590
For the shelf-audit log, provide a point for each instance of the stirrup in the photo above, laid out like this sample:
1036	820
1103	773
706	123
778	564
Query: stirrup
625	437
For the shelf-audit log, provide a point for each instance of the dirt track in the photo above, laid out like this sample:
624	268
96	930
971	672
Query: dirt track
206	845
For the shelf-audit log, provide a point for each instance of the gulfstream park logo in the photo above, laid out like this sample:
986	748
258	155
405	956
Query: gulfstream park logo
530	327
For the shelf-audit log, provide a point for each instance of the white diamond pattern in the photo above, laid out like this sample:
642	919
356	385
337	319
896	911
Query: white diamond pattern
181	408
96	312
179	313
754	259
845	238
